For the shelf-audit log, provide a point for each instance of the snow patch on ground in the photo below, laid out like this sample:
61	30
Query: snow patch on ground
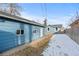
61	45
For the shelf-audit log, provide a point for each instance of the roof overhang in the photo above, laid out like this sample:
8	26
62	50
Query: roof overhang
18	18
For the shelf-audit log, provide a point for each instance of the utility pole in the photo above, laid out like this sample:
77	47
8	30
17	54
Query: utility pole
45	22
77	14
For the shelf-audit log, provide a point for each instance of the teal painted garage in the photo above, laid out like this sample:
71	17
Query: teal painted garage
15	31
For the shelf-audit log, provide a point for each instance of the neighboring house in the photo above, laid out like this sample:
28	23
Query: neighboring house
15	31
75	24
74	30
53	28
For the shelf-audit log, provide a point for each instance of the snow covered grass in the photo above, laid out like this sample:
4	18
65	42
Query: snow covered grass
61	45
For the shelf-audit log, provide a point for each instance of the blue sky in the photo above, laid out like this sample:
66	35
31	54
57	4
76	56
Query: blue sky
57	13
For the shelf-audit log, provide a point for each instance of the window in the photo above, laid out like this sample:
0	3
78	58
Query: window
56	28
48	29
17	32
22	31
34	31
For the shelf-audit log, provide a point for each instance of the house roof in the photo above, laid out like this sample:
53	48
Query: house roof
18	18
57	25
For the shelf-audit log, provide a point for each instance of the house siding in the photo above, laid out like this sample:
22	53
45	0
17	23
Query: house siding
35	32
8	37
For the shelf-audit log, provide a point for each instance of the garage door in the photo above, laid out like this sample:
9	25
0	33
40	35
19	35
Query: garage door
8	37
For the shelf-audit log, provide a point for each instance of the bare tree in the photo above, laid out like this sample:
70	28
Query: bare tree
14	9
3	7
11	8
74	18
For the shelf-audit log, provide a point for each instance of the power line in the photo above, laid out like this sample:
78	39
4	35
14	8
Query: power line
44	10
45	7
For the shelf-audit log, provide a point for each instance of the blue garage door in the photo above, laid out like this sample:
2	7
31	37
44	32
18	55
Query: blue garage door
8	37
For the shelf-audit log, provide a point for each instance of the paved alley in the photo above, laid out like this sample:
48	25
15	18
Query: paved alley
61	45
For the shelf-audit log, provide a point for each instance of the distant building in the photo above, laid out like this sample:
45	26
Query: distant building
53	28
75	24
74	30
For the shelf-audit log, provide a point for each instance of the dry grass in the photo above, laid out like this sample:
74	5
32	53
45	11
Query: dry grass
35	48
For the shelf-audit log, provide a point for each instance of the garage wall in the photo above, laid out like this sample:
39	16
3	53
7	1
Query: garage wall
14	33
35	32
41	31
8	38
27	33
